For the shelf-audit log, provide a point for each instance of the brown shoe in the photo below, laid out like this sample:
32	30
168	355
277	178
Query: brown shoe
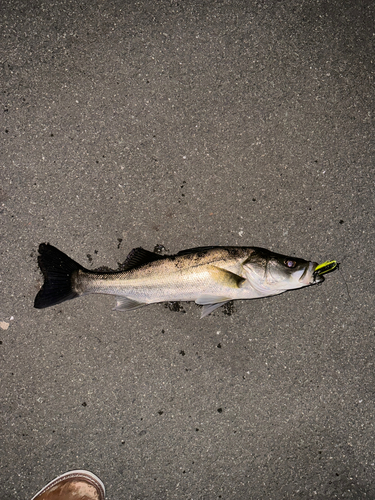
73	485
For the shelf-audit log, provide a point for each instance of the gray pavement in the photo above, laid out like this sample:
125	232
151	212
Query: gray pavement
186	123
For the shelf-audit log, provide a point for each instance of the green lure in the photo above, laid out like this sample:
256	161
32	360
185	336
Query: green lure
326	267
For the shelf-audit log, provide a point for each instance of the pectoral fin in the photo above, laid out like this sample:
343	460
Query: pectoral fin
126	304
226	278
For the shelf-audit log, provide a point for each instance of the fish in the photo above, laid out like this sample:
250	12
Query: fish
210	276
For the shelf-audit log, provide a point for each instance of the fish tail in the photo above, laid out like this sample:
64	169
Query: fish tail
59	273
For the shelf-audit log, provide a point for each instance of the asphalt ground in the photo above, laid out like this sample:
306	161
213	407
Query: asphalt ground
182	124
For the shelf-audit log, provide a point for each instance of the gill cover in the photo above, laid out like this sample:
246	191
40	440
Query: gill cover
272	273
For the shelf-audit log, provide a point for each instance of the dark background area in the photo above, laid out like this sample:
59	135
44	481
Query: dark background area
182	124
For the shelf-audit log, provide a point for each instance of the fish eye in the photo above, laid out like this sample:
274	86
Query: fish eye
290	263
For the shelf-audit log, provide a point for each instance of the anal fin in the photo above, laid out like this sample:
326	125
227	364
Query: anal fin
126	304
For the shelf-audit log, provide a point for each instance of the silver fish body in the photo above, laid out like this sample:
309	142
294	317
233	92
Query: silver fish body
210	276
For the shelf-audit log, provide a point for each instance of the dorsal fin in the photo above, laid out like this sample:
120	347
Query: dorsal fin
139	257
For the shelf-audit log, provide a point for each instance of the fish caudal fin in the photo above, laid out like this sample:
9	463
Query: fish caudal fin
58	270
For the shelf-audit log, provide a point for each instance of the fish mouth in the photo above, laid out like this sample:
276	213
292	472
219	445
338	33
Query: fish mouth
316	275
317	279
310	276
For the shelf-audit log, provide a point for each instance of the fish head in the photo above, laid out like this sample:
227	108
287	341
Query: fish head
272	273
